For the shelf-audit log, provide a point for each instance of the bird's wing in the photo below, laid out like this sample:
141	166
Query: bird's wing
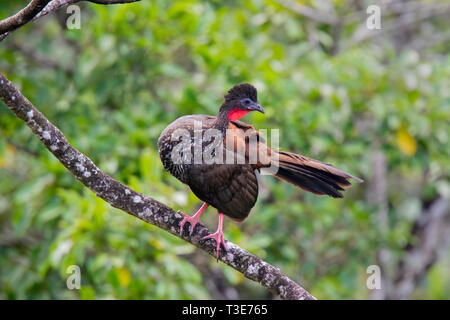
247	143
231	188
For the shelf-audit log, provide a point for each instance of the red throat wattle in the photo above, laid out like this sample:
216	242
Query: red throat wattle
236	114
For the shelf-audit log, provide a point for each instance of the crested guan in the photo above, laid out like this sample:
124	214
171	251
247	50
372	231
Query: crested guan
189	152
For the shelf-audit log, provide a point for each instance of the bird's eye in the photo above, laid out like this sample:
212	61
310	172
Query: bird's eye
246	103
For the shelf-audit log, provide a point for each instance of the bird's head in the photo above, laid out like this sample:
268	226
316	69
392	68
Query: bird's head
240	100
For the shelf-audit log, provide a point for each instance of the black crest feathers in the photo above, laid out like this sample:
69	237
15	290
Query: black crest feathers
240	91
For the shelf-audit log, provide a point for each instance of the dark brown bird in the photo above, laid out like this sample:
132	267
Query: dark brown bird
219	157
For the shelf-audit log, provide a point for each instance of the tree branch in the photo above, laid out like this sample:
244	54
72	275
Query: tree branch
431	231
40	60
56	4
145	208
362	34
377	195
38	8
112	1
22	17
114	192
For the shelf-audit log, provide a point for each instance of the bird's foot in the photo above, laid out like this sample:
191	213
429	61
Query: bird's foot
192	221
218	236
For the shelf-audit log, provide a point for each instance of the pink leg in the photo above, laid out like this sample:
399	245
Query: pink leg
218	236
192	220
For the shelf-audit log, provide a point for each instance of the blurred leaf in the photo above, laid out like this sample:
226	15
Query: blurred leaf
406	142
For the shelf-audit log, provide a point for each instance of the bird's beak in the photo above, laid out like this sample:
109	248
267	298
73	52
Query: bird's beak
256	107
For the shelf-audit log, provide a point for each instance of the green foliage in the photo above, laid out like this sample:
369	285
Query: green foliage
136	68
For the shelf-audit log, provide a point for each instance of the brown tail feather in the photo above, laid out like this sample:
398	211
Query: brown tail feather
312	175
